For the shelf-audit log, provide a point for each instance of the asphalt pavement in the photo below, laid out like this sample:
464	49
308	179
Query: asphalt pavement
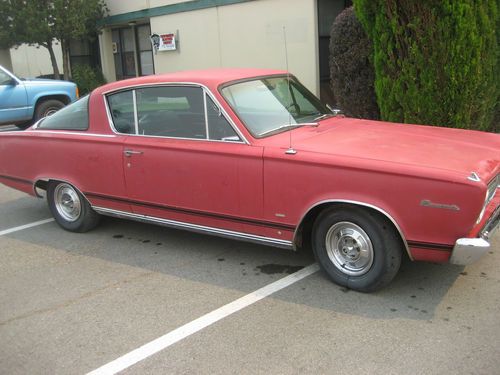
72	303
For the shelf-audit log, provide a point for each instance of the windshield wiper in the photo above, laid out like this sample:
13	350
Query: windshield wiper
281	127
324	116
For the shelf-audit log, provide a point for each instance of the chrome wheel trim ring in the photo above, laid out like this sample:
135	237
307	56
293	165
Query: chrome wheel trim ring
50	112
349	248
67	202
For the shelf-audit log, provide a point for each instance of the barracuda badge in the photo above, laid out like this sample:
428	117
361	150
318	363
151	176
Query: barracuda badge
428	203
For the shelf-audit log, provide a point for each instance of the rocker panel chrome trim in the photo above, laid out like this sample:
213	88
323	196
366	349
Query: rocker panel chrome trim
196	228
357	203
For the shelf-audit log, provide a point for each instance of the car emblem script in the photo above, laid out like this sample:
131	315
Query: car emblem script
428	203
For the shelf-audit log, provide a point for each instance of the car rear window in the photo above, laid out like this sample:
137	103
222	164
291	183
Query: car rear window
72	117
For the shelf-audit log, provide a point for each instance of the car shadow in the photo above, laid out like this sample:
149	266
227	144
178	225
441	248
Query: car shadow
20	209
415	293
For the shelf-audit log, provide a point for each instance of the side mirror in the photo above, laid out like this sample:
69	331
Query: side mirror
9	82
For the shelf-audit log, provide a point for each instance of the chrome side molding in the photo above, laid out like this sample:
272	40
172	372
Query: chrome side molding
196	228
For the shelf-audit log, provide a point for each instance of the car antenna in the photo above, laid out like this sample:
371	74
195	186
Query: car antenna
290	150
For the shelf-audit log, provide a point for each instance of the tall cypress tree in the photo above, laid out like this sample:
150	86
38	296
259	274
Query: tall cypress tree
435	60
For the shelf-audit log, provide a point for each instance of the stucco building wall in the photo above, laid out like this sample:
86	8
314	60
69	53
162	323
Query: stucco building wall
5	60
30	61
249	34
242	34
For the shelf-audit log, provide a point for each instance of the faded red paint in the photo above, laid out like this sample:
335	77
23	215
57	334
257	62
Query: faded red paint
256	188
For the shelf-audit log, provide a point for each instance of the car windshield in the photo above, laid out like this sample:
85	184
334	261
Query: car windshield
272	105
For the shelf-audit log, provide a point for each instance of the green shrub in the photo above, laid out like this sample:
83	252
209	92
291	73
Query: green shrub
86	78
351	70
435	60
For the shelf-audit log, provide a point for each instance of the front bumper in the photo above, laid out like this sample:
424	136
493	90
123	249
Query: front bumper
469	250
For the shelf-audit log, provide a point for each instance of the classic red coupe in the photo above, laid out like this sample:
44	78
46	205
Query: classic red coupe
253	155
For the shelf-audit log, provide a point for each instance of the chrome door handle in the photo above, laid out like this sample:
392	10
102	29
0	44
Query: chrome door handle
129	153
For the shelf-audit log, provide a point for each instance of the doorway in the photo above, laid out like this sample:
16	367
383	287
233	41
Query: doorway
132	51
327	11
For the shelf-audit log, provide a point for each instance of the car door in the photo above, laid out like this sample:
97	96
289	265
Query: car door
186	163
13	99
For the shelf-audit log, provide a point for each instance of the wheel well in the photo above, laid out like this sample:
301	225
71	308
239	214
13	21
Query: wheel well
43	184
62	98
40	185
304	231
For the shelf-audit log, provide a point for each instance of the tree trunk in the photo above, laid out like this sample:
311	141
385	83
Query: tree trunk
65	53
53	60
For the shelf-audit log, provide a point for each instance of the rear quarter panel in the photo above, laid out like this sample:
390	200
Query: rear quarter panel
88	162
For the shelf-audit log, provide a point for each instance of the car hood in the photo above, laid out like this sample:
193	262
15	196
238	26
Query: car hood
454	150
46	81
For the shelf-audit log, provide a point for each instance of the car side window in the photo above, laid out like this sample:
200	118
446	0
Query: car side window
218	127
121	107
74	116
171	111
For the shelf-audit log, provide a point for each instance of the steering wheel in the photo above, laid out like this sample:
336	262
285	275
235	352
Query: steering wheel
295	106
144	118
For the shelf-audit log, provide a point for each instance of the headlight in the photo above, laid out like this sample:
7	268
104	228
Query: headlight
490	194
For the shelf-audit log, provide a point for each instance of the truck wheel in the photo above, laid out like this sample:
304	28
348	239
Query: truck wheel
47	108
24	125
70	209
357	249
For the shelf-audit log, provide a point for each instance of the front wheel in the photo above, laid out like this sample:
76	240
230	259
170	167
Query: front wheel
70	209
47	108
357	249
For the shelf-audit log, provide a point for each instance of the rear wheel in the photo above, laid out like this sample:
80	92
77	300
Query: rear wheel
69	208
47	108
356	248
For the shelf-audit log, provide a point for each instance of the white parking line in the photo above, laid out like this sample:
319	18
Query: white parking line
190	328
26	226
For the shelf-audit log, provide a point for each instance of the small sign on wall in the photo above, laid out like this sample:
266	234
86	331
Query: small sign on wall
164	42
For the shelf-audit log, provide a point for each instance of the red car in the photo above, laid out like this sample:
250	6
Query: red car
253	155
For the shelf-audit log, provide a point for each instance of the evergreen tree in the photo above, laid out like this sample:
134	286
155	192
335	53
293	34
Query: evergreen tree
351	70
436	61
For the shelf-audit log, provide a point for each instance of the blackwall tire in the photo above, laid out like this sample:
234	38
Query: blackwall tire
356	248
70	209
24	125
47	108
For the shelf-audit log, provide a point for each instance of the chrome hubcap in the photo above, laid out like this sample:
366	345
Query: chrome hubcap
67	202
349	248
50	112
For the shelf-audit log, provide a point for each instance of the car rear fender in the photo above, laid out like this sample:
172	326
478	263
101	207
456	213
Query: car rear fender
42	183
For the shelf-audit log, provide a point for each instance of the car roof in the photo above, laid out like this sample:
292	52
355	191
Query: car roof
209	77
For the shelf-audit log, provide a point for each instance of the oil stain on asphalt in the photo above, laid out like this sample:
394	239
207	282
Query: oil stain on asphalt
272	269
